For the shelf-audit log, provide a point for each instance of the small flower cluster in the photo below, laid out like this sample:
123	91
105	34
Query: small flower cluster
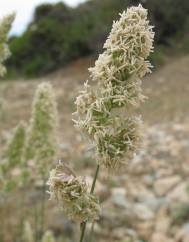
121	139
117	72
72	194
5	25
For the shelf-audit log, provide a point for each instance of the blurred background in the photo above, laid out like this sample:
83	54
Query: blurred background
57	41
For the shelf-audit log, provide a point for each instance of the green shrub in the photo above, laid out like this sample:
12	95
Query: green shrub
59	34
158	56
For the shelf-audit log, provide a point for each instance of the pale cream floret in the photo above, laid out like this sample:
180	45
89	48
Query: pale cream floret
117	73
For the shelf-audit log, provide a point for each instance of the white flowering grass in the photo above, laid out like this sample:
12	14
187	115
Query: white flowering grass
28	235
41	143
12	159
72	194
15	147
117	74
103	110
5	25
48	237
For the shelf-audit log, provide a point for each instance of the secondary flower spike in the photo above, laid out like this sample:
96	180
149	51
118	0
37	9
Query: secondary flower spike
72	194
41	143
103	111
5	25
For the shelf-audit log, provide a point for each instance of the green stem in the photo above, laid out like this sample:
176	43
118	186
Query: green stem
91	232
83	225
22	214
43	208
95	178
2	227
36	222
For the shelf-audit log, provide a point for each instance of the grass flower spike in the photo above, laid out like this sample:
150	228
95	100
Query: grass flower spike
48	237
28	235
5	25
121	139
15	147
41	144
71	192
12	159
103	110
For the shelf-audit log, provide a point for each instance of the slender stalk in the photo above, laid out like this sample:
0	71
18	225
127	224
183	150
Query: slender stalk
83	225
95	178
22	214
91	232
36	222
43	208
2	215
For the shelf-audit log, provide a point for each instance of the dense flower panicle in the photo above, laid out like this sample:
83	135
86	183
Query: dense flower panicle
5	25
15	147
85	99
128	45
72	195
41	143
118	142
117	73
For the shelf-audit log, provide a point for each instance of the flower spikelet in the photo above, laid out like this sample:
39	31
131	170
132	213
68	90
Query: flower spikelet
28	235
118	142
104	111
5	25
72	195
12	159
41	144
15	147
48	237
126	50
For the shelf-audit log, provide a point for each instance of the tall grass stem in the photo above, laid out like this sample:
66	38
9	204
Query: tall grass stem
83	225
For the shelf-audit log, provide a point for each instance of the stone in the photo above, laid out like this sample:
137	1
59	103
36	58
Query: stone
164	185
58	223
118	197
120	233
148	180
159	237
99	187
143	212
144	229
180	193
150	200
163	224
183	234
